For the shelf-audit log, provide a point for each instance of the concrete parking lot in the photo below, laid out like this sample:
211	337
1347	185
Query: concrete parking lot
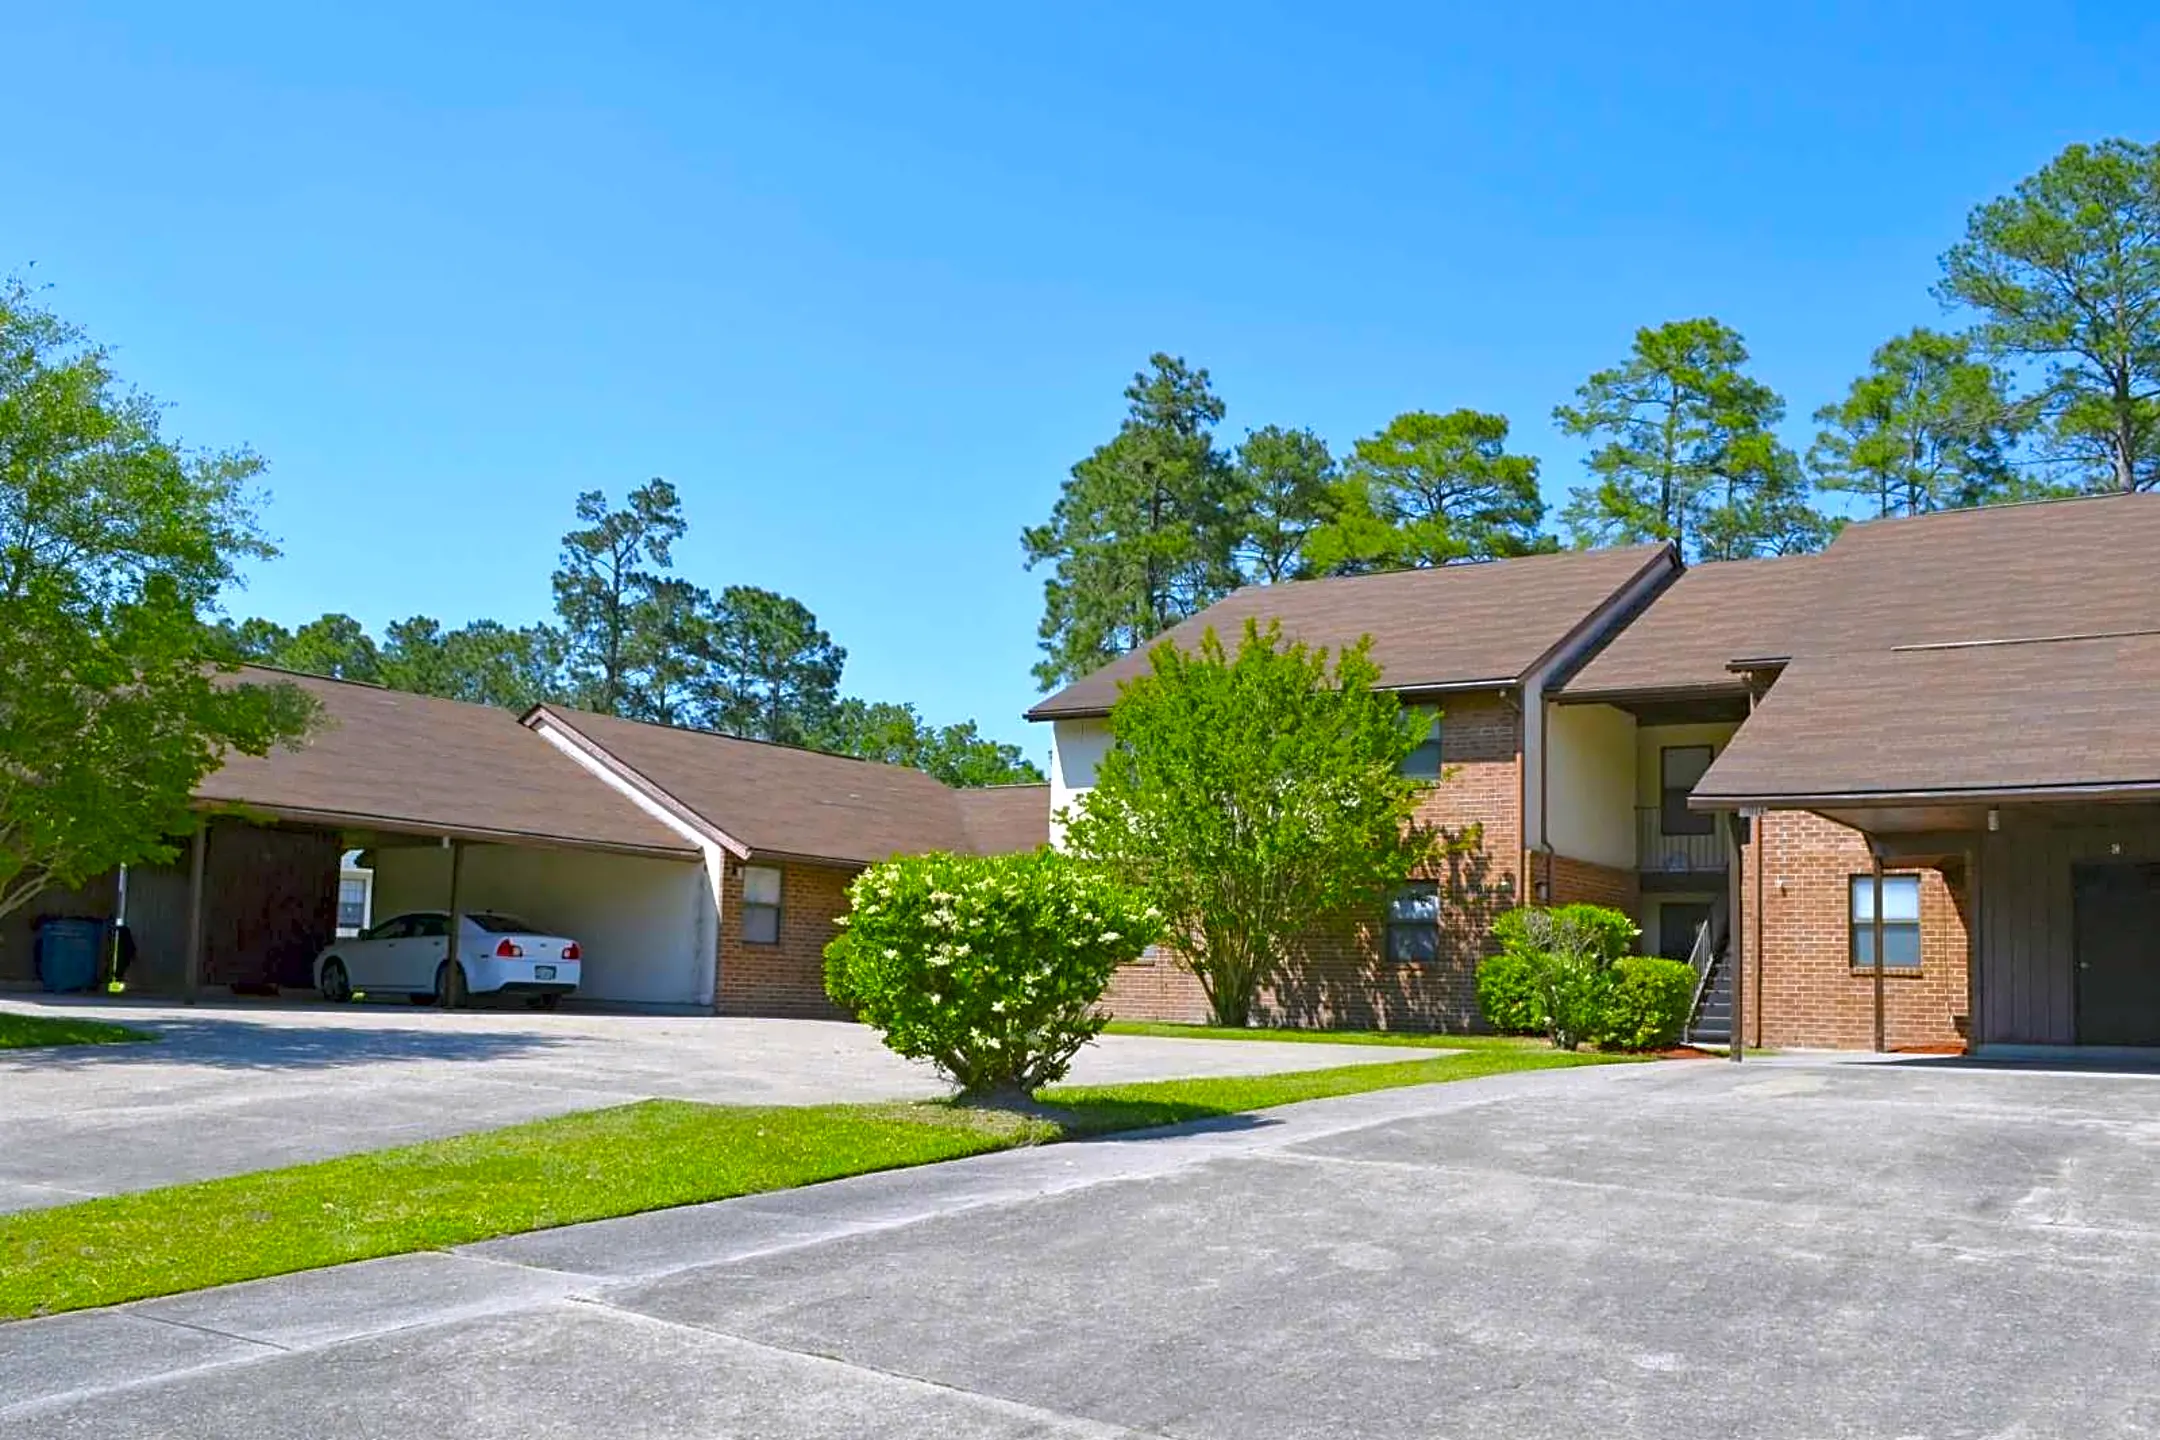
244	1086
1779	1249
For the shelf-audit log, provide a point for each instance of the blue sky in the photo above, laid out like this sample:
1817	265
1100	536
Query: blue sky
864	280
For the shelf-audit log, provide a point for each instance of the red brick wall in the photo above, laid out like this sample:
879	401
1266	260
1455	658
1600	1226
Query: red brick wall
1156	987
786	979
1580	882
1810	996
1341	977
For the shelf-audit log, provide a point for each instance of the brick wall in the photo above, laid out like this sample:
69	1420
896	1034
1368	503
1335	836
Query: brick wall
1580	882
787	979
1340	977
1156	987
1810	996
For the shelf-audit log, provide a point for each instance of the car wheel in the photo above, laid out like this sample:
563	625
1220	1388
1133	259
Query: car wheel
449	985
336	986
546	1002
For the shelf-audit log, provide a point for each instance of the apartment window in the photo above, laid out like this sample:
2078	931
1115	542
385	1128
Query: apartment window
1901	922
1679	767
352	903
760	905
1413	923
1423	763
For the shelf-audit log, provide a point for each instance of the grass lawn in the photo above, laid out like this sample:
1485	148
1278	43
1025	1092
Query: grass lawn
590	1166
20	1032
1424	1040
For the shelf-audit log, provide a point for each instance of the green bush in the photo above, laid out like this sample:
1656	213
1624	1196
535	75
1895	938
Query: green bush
989	967
1507	994
1646	1004
1568	952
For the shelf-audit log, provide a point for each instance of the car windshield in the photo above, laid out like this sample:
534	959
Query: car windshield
497	923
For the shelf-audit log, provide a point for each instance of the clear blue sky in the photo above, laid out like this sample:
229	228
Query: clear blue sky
864	280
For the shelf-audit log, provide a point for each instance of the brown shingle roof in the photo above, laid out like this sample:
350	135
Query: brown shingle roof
781	801
388	760
1002	819
1963	720
1712	614
1451	626
2062	567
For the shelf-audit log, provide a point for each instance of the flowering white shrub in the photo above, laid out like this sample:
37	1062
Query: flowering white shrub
990	967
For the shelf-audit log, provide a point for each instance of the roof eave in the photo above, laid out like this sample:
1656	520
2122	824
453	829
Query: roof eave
410	825
1809	800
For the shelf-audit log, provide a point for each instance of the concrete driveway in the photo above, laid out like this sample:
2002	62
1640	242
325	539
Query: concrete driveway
1778	1249
240	1086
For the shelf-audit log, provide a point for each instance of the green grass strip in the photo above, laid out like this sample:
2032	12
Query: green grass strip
587	1166
1414	1039
21	1032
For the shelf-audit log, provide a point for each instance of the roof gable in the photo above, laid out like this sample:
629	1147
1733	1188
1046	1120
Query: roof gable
1487	623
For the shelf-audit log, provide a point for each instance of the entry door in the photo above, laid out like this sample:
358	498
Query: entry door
2117	939
1677	923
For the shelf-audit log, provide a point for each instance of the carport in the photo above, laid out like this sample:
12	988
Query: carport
2028	771
459	807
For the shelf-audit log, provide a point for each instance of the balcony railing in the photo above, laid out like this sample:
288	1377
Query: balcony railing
1659	853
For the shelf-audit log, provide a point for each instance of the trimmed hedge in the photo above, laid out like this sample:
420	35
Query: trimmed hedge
1507	993
1646	1003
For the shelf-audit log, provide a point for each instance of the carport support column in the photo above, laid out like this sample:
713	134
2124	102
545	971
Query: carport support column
198	855
453	990
1880	1038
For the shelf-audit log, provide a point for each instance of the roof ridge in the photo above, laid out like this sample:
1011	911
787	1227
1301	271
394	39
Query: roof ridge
2007	640
568	710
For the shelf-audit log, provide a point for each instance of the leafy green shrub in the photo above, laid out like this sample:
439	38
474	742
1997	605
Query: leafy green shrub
1507	994
1569	951
1646	1003
989	967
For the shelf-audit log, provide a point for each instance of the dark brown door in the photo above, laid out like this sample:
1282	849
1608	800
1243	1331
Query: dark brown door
2117	939
1677	924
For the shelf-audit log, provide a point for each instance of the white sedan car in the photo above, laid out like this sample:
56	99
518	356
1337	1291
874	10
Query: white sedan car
410	954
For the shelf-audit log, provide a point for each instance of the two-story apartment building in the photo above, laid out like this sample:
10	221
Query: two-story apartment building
1934	740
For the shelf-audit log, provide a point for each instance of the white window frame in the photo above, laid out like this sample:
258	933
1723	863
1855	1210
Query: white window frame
761	908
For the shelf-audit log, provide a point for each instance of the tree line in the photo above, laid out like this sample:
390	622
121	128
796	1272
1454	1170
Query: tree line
2049	386
633	638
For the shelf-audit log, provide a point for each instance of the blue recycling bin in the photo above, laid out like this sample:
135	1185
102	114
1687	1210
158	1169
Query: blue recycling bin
68	953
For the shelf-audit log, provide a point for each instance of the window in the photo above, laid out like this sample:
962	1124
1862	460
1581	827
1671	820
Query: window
428	927
760	905
1679	767
1413	923
398	927
352	906
1901	922
1423	763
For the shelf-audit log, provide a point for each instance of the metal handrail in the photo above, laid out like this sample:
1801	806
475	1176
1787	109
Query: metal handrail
1703	956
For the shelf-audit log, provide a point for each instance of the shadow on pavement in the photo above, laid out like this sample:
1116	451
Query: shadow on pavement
234	1043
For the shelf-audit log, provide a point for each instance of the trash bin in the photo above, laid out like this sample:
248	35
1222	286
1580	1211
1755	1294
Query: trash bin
68	953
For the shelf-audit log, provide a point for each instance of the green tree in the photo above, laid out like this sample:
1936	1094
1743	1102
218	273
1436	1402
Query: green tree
334	645
778	674
483	663
1688	452
1144	531
1430	489
1928	427
2064	272
1255	795
959	754
1285	483
604	587
116	696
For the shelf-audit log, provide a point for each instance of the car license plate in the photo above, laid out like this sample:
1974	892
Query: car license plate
543	972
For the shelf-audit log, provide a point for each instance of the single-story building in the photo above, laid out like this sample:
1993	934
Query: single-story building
697	871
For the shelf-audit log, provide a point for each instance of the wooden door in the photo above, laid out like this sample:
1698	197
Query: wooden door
2116	925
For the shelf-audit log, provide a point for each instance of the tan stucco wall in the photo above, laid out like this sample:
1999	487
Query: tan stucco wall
1590	763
